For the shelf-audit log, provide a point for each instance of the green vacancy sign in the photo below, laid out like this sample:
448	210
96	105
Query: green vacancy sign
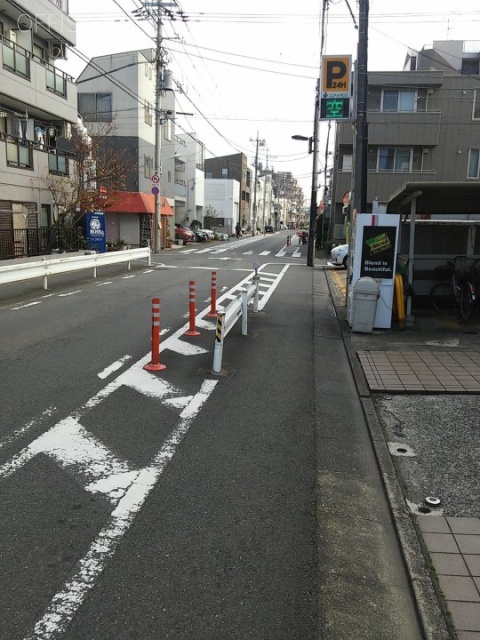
335	109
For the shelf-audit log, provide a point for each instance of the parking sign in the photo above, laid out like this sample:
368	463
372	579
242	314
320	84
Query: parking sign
336	76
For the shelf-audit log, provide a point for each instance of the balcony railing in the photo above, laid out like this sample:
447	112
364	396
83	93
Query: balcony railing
61	4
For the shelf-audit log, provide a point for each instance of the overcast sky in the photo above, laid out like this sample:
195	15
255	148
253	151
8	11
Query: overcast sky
252	66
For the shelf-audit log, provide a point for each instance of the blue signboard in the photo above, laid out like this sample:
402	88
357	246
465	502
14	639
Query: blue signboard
95	231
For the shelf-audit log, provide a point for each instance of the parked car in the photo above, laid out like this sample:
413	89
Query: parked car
339	255
200	236
269	228
209	233
184	233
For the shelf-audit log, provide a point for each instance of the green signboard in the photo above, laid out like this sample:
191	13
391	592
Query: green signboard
335	109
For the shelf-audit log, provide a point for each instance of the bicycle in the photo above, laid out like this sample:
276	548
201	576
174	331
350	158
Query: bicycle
456	294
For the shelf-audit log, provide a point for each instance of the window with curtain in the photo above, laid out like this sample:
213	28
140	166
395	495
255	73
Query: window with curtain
398	100
473	163
476	105
394	160
95	107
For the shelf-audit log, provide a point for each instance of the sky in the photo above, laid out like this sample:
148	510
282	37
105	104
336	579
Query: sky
248	70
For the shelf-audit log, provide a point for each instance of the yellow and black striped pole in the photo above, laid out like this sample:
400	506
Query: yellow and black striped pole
218	351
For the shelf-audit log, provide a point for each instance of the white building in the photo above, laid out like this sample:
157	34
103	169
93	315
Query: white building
222	204
38	105
120	89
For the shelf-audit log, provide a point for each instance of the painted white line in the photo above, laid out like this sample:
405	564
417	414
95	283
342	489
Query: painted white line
36	422
115	366
25	306
128	277
102	284
71	293
248	253
66	602
148	271
264	253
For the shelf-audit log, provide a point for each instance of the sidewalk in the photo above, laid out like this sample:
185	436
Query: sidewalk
435	356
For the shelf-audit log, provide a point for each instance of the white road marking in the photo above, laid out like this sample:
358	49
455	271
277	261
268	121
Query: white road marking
113	367
25	306
71	293
100	471
264	253
248	253
102	284
128	277
36	422
66	602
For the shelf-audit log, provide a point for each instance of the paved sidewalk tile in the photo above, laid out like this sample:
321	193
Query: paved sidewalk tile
421	371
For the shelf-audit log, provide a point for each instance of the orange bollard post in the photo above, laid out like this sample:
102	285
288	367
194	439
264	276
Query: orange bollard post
191	311
213	297
155	365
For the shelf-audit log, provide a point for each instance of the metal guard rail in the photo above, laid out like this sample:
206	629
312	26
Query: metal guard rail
226	318
49	267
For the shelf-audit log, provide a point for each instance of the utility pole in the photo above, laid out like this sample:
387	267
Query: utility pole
258	144
313	196
359	203
147	11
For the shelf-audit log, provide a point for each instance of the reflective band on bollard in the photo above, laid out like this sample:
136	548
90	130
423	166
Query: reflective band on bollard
213	297
191	311
155	365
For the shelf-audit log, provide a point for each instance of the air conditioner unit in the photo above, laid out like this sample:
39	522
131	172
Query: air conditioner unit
57	50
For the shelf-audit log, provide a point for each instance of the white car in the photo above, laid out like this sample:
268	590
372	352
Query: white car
210	235
339	255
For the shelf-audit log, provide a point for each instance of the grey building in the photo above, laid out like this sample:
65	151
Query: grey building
423	127
234	167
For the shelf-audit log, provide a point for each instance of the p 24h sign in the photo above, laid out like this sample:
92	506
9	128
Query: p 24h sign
336	87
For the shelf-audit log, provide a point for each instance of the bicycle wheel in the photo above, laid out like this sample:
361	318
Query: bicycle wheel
443	299
467	301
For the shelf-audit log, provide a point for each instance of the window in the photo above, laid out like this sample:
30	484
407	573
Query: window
15	59
347	162
148	113
56	81
224	173
95	107
476	105
473	163
394	160
19	155
398	100
57	164
147	166
167	129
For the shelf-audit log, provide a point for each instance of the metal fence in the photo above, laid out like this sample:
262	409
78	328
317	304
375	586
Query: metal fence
19	243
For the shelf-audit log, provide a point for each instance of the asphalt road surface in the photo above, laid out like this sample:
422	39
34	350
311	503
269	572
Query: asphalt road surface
148	505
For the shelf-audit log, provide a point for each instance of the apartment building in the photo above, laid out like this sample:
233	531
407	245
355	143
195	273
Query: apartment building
119	91
234	167
423	129
38	107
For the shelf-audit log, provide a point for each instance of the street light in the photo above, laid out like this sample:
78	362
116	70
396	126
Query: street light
313	148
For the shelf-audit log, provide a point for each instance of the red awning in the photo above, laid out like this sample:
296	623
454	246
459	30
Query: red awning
136	202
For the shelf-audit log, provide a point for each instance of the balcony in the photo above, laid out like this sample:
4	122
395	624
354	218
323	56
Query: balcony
36	83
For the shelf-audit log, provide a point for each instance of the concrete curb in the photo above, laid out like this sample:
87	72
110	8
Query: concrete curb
430	614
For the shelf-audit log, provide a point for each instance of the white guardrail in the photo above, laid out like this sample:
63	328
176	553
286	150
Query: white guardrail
227	317
54	266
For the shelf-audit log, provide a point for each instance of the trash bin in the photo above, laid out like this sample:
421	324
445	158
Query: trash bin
364	304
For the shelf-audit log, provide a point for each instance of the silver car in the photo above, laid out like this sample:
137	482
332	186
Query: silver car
339	256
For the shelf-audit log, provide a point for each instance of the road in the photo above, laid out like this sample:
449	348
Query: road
146	505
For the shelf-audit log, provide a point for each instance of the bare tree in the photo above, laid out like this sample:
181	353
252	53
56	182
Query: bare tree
96	176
